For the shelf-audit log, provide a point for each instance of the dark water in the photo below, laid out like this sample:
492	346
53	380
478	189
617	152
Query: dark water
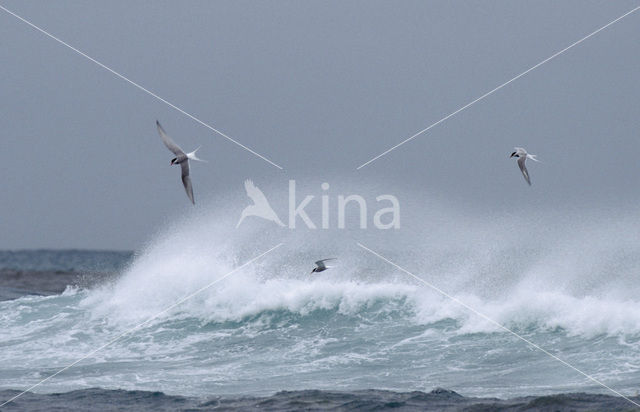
309	400
46	272
64	260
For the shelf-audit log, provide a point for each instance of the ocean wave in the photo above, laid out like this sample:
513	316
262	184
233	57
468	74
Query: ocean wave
579	280
247	298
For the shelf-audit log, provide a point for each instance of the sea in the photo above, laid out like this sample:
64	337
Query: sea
192	322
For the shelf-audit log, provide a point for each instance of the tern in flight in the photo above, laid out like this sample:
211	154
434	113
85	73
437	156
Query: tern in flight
320	266
522	156
181	159
260	206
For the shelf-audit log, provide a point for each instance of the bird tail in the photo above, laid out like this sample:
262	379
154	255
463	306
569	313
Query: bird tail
533	157
193	156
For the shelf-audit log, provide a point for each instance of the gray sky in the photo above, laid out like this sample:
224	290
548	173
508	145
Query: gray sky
319	88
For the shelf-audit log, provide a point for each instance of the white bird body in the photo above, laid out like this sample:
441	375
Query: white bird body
181	159
260	206
522	156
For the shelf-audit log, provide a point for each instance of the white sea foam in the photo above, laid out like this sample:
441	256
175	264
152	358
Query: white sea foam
576	274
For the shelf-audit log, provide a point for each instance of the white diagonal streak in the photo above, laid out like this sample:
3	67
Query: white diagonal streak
128	331
482	315
150	93
496	89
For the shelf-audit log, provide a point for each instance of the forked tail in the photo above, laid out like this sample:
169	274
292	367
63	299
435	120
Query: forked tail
193	156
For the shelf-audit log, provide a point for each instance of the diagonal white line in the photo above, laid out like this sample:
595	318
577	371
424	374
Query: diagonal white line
150	93
482	315
496	89
180	301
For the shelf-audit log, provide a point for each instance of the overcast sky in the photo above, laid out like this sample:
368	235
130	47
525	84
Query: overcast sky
319	88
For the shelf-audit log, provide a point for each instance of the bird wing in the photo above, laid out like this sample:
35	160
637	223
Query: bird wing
186	180
171	145
523	169
321	264
255	194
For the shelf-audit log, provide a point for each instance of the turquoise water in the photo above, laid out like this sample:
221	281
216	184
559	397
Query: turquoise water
298	340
